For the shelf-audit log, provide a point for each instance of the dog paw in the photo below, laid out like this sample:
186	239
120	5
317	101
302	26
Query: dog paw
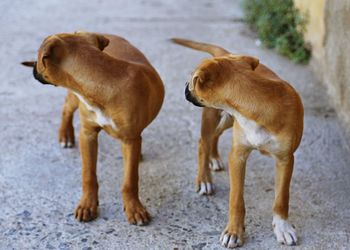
136	213
86	211
66	138
216	164
232	238
67	144
204	184
284	231
205	188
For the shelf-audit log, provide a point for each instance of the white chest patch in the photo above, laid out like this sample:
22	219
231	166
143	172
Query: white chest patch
254	135
100	118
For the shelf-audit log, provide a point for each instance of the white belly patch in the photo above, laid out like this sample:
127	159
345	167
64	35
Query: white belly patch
100	118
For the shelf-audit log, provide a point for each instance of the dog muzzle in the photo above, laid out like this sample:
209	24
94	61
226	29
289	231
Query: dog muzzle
38	77
191	98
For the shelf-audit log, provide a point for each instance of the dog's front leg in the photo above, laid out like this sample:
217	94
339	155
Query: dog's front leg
284	231
233	235
134	210
88	206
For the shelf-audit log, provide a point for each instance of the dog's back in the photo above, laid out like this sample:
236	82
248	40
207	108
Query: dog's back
120	48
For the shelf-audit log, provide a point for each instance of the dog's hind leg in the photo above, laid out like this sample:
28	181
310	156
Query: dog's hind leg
66	131
215	162
207	149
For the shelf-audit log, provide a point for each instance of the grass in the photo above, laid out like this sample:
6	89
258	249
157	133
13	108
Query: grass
280	26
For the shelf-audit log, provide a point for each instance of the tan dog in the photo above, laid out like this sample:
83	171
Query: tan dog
268	116
116	89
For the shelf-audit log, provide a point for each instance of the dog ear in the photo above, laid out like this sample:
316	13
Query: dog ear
198	78
252	61
202	78
193	83
102	42
52	51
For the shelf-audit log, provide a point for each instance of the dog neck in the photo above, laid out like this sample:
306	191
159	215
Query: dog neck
257	98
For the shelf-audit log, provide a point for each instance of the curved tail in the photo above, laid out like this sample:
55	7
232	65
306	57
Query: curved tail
209	48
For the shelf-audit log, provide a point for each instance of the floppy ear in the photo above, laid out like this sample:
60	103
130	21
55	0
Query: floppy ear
102	42
206	75
52	51
199	77
252	61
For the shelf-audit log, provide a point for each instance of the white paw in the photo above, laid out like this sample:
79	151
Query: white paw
230	240
285	232
66	144
205	188
216	164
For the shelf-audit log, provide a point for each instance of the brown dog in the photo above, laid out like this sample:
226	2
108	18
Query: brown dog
268	116
116	89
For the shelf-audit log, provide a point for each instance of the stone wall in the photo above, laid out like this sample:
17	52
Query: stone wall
315	33
328	32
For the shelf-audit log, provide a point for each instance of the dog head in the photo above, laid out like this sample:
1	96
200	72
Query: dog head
54	52
214	78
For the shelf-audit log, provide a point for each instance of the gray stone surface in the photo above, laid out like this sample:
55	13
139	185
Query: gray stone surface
40	182
335	65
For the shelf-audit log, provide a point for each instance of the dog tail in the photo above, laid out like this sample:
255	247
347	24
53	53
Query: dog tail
209	48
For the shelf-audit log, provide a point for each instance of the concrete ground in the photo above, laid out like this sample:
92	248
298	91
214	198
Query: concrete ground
40	182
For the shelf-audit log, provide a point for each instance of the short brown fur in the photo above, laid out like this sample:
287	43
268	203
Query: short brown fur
120	84
253	94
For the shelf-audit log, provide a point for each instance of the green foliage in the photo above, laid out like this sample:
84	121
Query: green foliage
279	25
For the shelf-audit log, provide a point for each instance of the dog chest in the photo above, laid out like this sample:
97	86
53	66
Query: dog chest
100	117
253	134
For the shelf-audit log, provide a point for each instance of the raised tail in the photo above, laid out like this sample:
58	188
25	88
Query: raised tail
209	48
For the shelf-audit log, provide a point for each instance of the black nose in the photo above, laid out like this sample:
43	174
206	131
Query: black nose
191	98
